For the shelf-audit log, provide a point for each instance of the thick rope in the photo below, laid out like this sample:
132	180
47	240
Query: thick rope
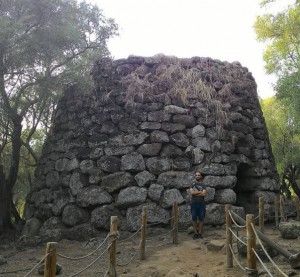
237	237
161	236
134	249
159	245
294	212
106	273
89	265
120	241
239	226
40	262
83	257
131	259
290	204
258	239
235	258
262	263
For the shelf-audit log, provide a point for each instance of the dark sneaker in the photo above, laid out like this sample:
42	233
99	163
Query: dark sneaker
200	236
195	236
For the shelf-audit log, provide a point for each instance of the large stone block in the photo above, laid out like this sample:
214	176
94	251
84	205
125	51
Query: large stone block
155	215
131	196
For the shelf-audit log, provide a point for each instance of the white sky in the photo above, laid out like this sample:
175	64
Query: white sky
220	29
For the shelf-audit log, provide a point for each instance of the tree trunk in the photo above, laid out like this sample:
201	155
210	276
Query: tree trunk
7	184
285	187
15	213
290	175
5	219
7	209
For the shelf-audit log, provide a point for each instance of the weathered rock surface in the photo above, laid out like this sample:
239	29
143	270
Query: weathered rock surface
138	137
290	229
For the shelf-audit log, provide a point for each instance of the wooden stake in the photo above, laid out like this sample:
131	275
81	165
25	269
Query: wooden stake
276	208
261	214
143	233
228	236
282	213
50	260
251	242
294	259
113	248
175	223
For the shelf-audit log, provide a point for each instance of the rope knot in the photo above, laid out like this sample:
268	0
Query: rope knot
114	235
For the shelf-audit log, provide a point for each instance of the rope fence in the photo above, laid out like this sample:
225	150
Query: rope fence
140	245
50	258
39	263
282	210
89	265
83	257
253	234
266	253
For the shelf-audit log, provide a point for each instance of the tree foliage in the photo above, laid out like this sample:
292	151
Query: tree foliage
285	143
284	139
45	46
280	32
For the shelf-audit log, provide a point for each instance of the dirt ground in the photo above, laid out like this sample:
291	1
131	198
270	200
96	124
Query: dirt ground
205	257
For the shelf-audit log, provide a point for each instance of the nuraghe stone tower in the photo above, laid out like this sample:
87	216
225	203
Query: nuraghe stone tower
138	137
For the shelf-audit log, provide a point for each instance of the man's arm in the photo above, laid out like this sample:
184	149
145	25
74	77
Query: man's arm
204	191
197	192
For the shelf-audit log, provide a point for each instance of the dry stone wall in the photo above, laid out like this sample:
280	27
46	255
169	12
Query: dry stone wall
137	139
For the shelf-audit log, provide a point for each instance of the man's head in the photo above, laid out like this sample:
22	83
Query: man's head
198	175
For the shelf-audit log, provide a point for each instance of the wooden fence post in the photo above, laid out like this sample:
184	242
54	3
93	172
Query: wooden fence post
113	248
261	214
143	233
276	208
282	213
251	243
175	222
228	236
50	260
297	208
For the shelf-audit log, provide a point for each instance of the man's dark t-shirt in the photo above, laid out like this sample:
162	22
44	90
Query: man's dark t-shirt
198	199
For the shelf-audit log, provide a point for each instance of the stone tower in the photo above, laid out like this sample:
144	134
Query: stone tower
138	137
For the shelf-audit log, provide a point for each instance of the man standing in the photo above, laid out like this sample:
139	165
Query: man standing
198	192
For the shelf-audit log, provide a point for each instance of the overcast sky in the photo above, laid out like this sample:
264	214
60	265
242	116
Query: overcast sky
220	29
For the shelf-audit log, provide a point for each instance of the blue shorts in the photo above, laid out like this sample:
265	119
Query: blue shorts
198	211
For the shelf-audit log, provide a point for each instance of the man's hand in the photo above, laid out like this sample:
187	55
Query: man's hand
197	192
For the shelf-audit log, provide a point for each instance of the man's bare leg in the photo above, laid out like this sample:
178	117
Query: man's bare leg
198	227
201	227
195	226
195	229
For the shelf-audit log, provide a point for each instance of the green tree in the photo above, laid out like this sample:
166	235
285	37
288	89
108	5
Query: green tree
45	46
280	32
285	143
